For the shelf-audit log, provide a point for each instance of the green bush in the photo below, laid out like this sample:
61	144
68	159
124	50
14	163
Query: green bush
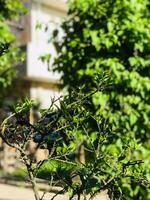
111	36
20	174
63	130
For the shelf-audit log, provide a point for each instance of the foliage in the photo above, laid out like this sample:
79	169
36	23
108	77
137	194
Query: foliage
19	174
111	36
9	54
110	160
63	130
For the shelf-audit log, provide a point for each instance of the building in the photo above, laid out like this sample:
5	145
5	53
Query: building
34	34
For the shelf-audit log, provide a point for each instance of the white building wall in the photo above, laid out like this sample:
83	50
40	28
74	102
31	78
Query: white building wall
43	96
39	45
39	40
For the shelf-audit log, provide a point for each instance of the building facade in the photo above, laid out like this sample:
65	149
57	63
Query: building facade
34	34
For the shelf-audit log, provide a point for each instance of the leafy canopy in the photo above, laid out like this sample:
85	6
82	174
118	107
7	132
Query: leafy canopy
111	36
9	53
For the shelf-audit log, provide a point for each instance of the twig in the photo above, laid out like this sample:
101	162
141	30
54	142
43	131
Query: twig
59	192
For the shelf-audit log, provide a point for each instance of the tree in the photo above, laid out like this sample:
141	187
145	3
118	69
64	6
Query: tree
9	53
61	130
111	36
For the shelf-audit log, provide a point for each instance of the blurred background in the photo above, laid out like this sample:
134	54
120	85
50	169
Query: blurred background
35	79
34	34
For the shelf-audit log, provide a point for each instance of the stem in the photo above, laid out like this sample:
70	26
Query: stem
34	185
